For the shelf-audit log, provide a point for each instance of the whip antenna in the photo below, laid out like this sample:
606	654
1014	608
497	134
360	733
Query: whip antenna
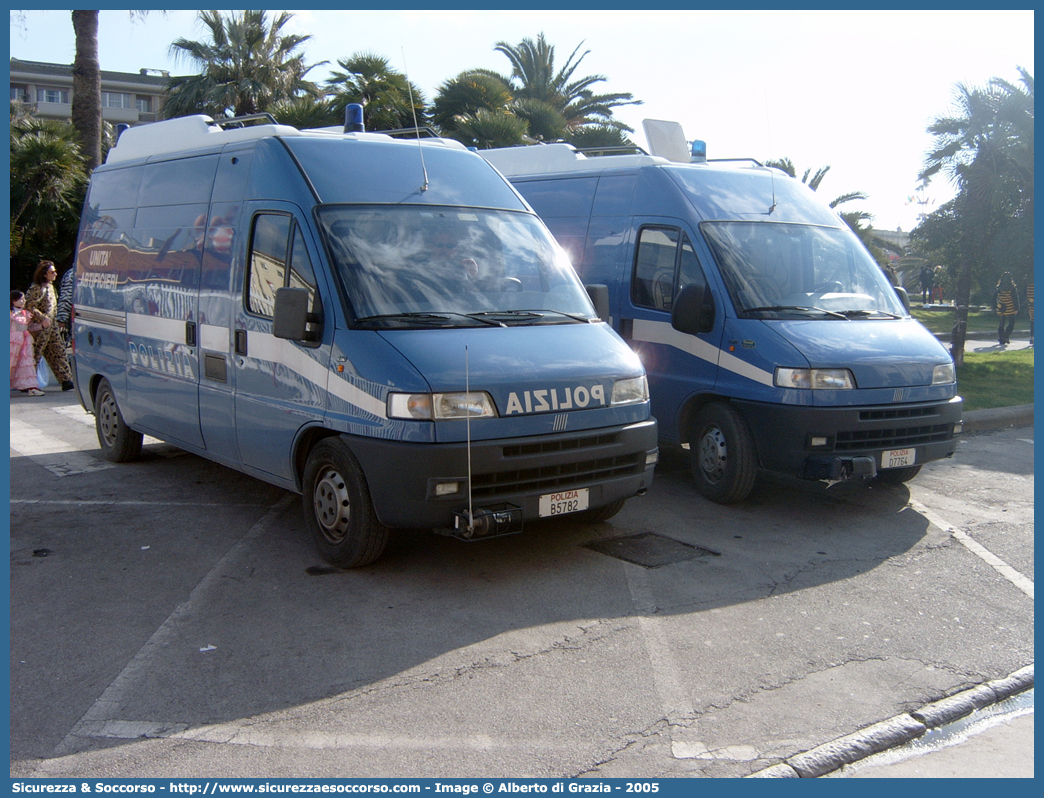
467	393
413	110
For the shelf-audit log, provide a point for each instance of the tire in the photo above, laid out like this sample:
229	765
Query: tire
119	443
897	476
337	507
599	514
722	454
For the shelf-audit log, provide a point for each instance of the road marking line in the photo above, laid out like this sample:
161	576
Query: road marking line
114	503
674	699
103	714
76	413
980	551
59	457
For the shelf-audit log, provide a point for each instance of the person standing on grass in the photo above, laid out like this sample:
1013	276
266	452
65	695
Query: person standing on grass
926	284
1006	304
1029	305
49	343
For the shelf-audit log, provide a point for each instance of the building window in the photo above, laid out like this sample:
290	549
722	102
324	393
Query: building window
143	104
115	99
52	96
19	94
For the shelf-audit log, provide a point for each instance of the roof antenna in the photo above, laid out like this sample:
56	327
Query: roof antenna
413	109
772	172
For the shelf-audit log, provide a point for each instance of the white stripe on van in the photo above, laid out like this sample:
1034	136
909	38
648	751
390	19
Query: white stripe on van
213	338
661	332
265	346
156	327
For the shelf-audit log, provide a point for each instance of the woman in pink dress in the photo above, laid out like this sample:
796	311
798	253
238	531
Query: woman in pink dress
23	324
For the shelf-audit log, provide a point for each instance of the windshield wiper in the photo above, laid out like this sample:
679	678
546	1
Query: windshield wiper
427	318
525	315
801	308
854	313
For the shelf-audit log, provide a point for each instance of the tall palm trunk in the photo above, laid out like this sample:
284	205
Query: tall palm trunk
86	99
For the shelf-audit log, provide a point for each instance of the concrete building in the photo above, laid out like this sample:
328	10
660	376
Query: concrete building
127	97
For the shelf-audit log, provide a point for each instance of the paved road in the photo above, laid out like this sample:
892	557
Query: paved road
168	618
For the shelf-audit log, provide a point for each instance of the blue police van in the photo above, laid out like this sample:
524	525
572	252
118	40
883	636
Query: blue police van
379	324
772	339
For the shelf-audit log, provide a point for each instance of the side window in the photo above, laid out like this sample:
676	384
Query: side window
664	264
689	270
301	275
268	253
279	259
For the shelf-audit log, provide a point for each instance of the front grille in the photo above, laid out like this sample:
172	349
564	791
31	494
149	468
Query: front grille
556	477
898	438
897	412
547	447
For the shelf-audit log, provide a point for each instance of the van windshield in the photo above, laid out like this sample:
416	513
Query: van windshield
779	270
422	266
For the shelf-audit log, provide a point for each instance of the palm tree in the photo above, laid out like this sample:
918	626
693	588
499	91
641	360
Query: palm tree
48	184
388	99
467	93
86	96
247	66
486	129
533	77
986	149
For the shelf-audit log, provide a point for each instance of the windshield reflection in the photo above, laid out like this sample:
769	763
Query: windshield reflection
775	270
424	266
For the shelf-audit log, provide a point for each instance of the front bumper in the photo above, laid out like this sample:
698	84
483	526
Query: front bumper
405	479
844	442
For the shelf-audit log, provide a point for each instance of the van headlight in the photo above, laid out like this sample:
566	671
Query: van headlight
630	391
944	374
441	406
815	379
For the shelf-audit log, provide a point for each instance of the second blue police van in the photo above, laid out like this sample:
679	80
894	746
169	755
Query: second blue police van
381	325
771	338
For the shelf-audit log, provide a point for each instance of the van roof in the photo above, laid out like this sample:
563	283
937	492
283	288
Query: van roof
551	158
547	159
188	133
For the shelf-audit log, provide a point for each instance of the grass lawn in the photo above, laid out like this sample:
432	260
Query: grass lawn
996	379
941	321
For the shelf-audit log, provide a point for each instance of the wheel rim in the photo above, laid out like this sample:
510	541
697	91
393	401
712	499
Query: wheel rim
108	420
713	454
332	505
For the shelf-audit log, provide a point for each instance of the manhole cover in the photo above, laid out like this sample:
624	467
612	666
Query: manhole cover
649	550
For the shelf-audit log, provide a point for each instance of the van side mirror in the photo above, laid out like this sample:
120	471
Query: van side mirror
600	297
693	310
291	314
903	297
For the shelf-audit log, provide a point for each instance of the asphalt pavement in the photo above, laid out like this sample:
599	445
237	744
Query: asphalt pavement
985	732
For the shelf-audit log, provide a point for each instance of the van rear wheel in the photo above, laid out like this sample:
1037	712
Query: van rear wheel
119	443
723	459
338	511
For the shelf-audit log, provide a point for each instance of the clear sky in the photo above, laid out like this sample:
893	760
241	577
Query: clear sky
854	90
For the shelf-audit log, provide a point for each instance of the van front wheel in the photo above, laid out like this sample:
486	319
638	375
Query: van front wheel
337	508
119	443
723	459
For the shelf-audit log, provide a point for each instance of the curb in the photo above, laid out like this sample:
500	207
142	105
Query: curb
998	418
895	731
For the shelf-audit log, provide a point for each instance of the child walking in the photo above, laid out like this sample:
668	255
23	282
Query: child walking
23	324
